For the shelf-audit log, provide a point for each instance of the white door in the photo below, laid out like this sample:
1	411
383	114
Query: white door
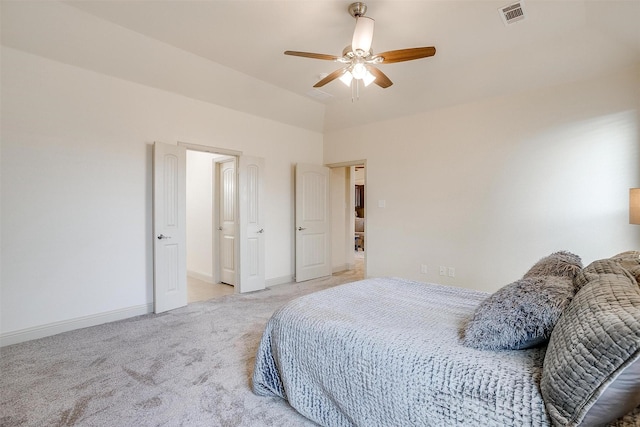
169	227
227	221
252	231
313	228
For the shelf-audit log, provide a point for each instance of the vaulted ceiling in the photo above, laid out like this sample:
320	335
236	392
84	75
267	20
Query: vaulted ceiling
477	54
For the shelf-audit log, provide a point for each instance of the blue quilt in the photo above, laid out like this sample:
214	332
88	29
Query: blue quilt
388	352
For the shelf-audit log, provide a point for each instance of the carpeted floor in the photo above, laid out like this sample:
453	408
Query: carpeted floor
187	367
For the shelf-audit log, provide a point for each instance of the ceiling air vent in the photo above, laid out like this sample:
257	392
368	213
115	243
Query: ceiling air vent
319	95
512	13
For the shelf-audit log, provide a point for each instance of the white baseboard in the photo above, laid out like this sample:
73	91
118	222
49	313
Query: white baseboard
54	328
200	276
279	281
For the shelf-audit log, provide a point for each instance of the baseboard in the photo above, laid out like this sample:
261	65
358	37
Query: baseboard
55	328
279	281
289	279
200	276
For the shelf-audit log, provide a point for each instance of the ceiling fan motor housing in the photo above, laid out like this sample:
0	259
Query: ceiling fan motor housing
357	9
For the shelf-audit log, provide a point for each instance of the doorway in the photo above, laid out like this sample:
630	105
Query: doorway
205	204
349	207
360	215
170	223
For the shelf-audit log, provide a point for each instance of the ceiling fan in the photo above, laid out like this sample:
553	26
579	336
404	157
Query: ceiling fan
359	59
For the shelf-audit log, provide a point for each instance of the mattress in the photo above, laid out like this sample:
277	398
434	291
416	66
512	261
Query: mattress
388	352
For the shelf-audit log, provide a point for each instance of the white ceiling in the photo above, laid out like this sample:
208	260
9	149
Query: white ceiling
477	55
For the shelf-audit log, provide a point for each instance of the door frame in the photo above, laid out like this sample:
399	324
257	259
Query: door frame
351	208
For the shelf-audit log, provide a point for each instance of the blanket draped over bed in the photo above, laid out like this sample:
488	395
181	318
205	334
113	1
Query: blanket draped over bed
388	352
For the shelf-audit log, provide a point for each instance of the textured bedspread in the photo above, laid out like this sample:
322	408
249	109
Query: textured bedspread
387	352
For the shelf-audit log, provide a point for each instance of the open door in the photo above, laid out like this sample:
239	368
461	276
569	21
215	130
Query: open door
313	227
252	232
169	227
227	219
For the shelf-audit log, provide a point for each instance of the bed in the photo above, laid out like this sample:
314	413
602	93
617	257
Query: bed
389	352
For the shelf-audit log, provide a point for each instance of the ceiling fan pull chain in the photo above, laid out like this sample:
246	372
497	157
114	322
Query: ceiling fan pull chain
355	90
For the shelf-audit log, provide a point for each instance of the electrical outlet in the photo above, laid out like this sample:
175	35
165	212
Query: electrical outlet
443	270
452	272
424	269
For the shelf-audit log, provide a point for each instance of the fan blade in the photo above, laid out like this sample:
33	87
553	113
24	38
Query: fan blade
381	78
401	55
331	77
312	55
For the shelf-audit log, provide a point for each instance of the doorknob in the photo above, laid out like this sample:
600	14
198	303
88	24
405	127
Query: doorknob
301	228
220	228
162	236
261	230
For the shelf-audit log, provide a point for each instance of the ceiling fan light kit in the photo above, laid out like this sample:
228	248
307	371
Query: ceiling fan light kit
359	59
346	78
362	36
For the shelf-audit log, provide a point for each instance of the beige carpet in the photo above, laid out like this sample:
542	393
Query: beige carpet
188	367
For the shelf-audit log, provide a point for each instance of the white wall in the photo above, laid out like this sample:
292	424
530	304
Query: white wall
59	31
76	187
489	188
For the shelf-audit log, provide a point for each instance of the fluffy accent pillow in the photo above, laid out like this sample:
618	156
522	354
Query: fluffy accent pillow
522	314
561	264
591	371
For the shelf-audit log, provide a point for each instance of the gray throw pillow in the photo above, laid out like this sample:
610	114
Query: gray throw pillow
522	314
519	315
591	371
560	264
